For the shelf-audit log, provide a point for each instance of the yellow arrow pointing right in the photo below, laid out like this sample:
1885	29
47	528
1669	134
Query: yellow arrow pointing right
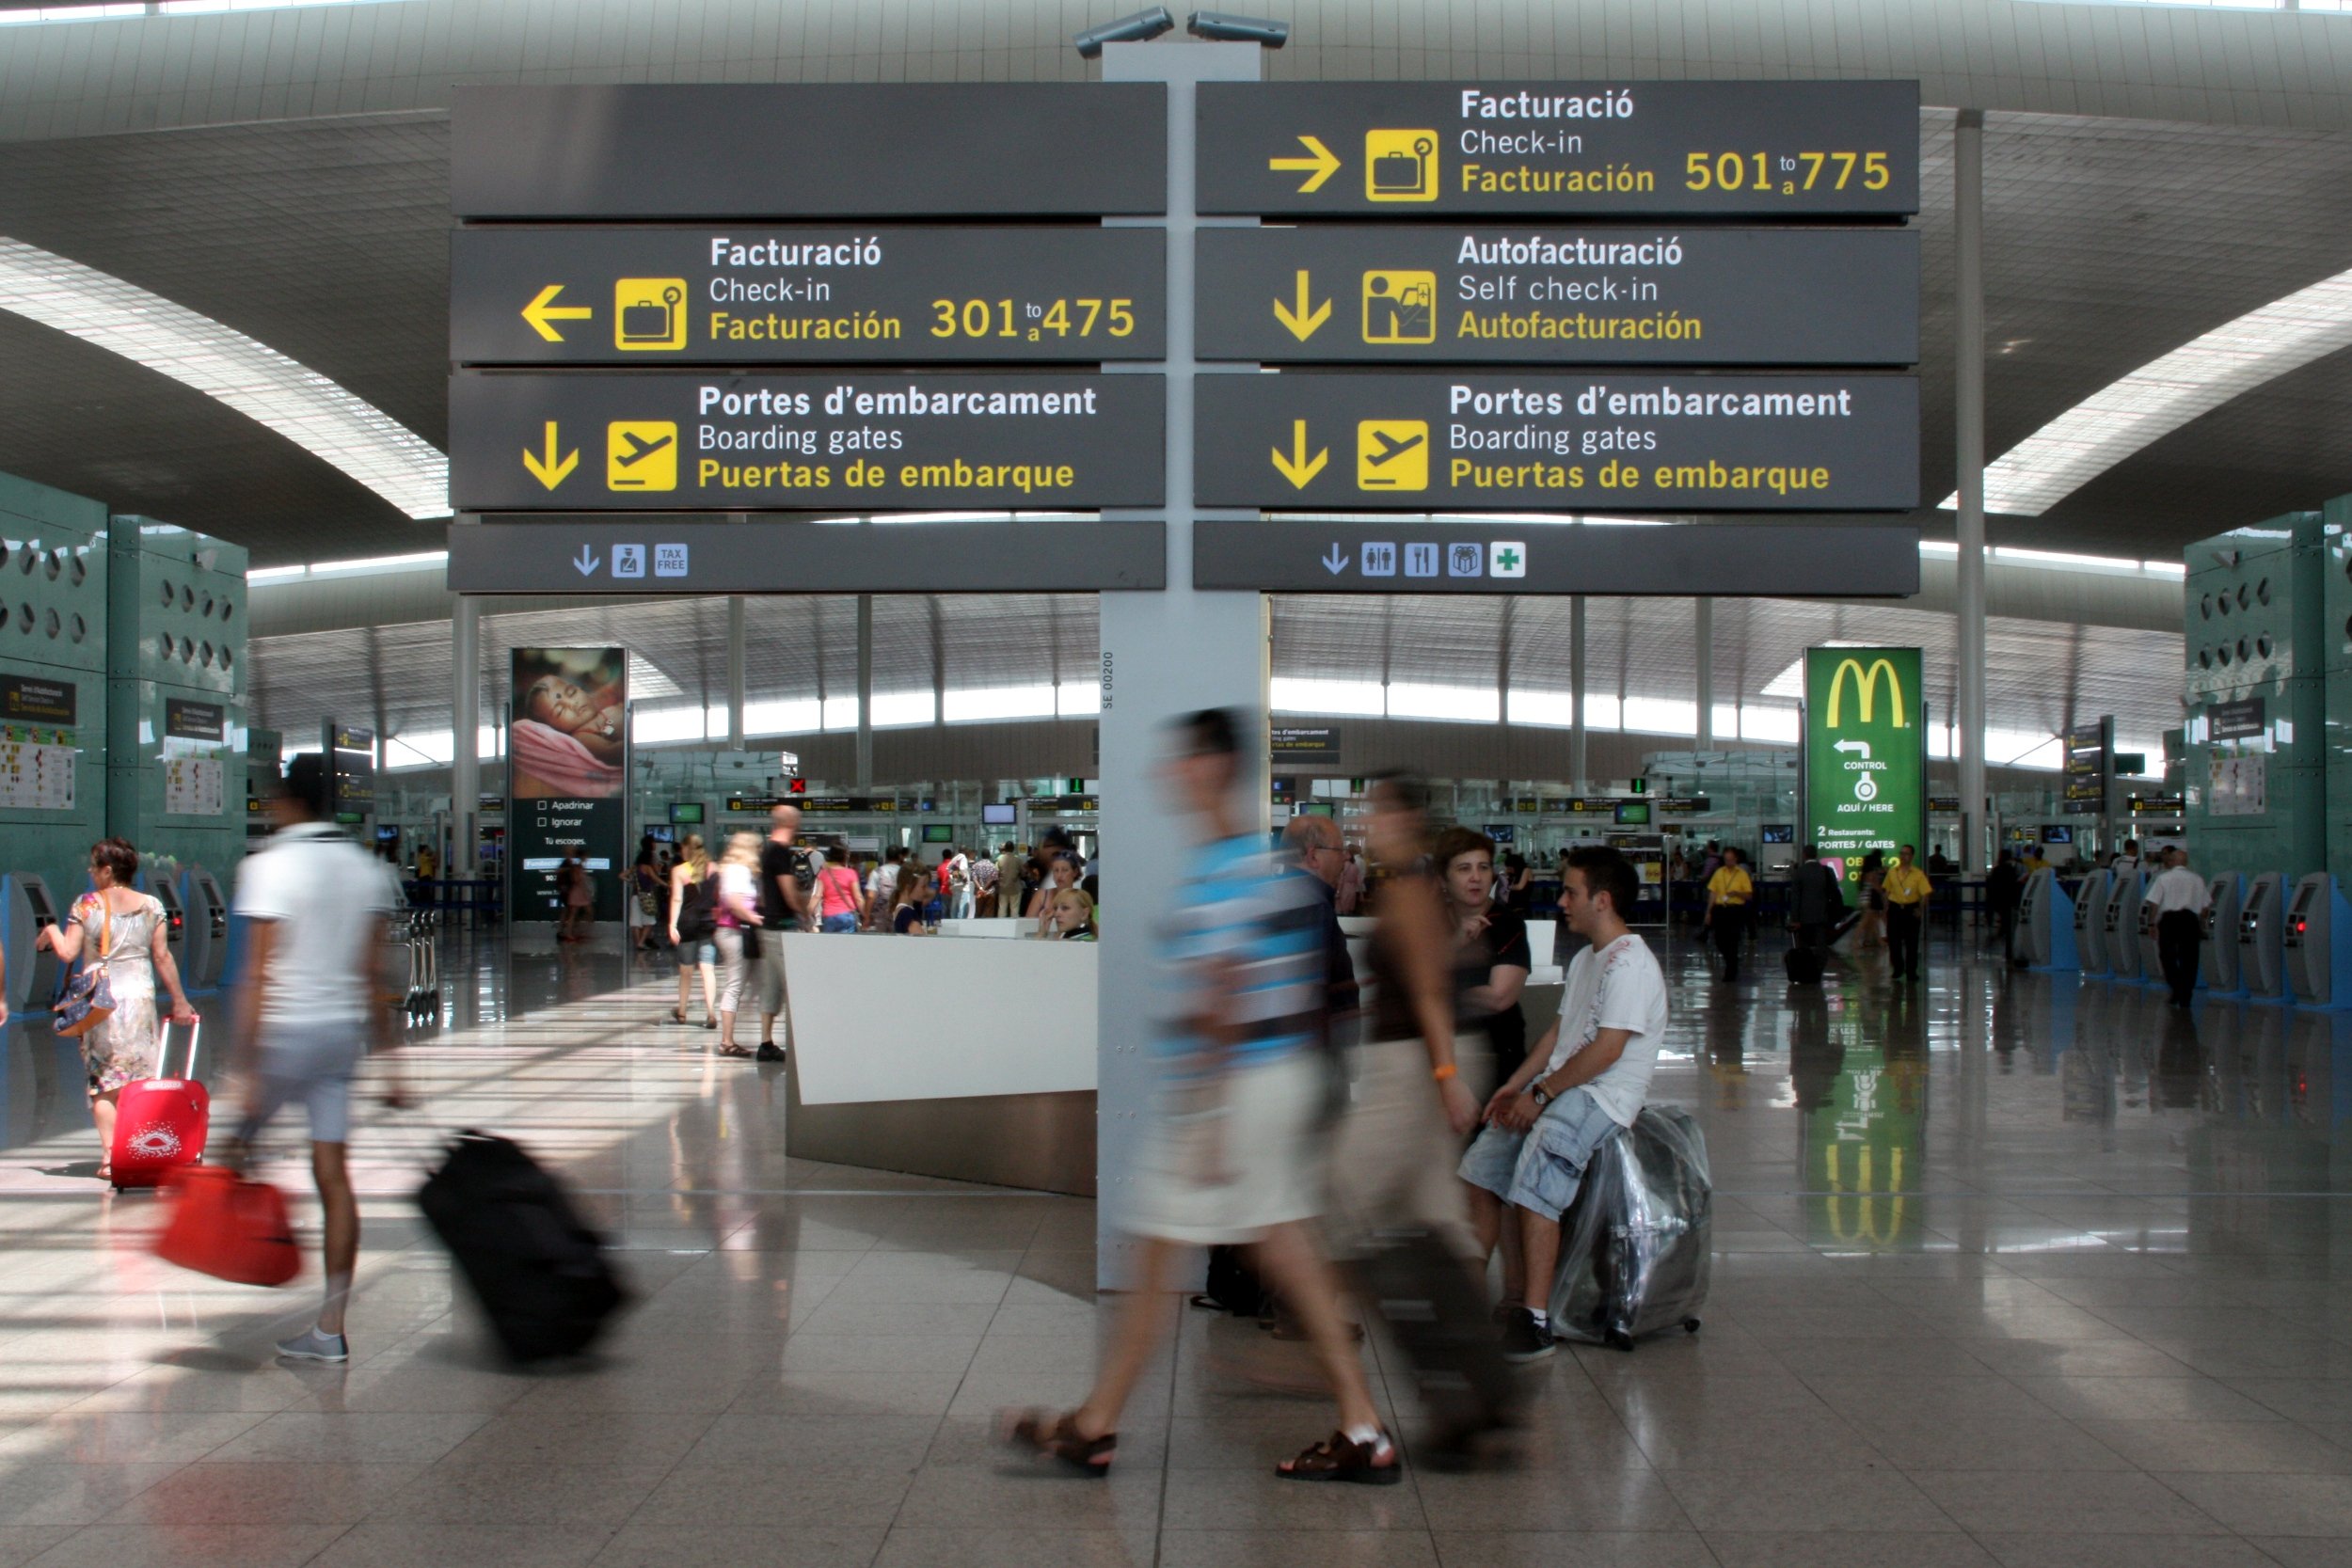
1297	467
1302	321
542	312
551	470
1319	167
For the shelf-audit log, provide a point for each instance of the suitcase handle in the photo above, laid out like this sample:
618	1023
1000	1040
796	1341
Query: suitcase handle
163	1044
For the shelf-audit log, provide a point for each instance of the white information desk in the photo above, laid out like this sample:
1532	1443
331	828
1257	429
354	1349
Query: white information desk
1011	1016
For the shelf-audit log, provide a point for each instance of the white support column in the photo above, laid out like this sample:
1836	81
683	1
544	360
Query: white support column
1164	654
464	719
735	673
1702	654
1579	755
865	692
1968	401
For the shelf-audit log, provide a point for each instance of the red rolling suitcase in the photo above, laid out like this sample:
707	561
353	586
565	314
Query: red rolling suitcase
228	1228
160	1123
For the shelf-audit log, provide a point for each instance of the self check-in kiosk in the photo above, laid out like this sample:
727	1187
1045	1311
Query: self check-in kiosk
2216	959
2120	929
208	930
2318	945
2046	916
26	908
2150	952
2090	920
2260	937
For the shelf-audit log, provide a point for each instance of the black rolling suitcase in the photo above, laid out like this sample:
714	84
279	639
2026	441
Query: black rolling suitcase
540	1274
1637	1255
1438	1314
1804	965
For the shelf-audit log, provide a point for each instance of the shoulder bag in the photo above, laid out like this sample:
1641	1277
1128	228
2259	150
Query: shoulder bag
86	998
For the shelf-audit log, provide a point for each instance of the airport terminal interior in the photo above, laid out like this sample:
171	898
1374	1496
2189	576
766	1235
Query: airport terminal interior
1785	567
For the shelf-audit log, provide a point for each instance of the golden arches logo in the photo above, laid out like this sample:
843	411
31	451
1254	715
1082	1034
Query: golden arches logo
1866	681
1866	1228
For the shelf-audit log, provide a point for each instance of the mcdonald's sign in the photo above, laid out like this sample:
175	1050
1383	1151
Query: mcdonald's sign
1864	751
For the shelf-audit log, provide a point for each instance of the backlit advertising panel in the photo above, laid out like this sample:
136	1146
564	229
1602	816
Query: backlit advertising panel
1865	753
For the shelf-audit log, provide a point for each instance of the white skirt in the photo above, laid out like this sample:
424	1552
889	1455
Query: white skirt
1233	1175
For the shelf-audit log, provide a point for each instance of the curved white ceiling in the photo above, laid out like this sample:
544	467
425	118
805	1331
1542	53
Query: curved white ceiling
316	414
2134	411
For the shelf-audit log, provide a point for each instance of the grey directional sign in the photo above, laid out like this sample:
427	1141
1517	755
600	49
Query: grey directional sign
797	151
1596	441
1566	148
572	554
856	443
1653	296
647	296
1419	556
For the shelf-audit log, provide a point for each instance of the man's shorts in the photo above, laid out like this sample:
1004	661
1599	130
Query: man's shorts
1541	1169
311	1063
769	970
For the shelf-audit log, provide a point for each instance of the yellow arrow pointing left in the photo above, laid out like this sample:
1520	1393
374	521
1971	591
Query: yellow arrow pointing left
1297	467
1303	322
543	312
551	470
1321	165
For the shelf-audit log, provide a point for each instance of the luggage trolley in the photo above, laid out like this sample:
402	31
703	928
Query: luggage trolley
414	962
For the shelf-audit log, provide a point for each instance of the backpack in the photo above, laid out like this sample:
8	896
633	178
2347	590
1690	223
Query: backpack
698	910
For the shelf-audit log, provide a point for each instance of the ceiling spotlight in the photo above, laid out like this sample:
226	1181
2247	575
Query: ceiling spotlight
1238	29
1142	27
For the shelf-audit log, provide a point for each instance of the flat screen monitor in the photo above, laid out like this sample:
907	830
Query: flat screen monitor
1780	832
1317	808
939	833
686	814
2056	834
1000	816
1632	814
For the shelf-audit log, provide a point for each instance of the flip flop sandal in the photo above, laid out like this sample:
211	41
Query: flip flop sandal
1046	1435
1341	1458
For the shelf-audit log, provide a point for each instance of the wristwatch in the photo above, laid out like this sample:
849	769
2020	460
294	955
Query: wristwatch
1540	1095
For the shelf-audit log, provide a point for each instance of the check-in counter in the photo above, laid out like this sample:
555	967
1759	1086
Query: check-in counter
1000	1091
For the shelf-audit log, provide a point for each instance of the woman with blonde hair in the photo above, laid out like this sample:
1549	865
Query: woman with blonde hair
1060	878
736	917
1071	914
693	930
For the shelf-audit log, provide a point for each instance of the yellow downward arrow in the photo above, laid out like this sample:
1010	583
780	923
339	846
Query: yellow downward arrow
1298	468
551	470
1302	321
1321	167
543	311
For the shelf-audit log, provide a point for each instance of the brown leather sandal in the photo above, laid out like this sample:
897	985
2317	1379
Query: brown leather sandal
1339	1457
1043	1433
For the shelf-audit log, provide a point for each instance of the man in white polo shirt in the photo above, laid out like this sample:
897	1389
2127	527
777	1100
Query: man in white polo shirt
317	907
2178	898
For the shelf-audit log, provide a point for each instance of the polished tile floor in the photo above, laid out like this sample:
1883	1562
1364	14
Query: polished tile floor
2010	1270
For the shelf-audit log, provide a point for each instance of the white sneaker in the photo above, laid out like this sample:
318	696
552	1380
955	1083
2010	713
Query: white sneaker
311	1345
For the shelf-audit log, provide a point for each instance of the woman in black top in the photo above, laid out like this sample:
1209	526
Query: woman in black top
1490	953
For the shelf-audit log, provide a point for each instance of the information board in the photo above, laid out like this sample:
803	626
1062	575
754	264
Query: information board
2089	767
854	443
644	296
1696	296
1591	442
1865	752
1571	149
829	150
39	700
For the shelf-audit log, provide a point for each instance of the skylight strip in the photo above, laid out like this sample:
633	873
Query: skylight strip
2134	411
316	414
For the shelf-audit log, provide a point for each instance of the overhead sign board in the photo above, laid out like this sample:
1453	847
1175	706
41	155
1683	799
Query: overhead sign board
573	554
863	443
1293	743
1696	296
1865	752
1298	555
1566	148
791	149
2089	767
645	297
1598	442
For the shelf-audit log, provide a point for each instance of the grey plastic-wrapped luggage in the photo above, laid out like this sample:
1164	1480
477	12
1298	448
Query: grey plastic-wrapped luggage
1635	1260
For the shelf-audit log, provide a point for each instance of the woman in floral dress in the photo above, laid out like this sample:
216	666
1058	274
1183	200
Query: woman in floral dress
127	926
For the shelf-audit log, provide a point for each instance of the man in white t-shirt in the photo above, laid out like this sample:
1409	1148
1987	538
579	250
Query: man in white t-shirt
317	907
2177	901
1582	1082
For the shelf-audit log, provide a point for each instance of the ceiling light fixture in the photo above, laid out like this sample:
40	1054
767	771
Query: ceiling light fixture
324	419
2135	411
